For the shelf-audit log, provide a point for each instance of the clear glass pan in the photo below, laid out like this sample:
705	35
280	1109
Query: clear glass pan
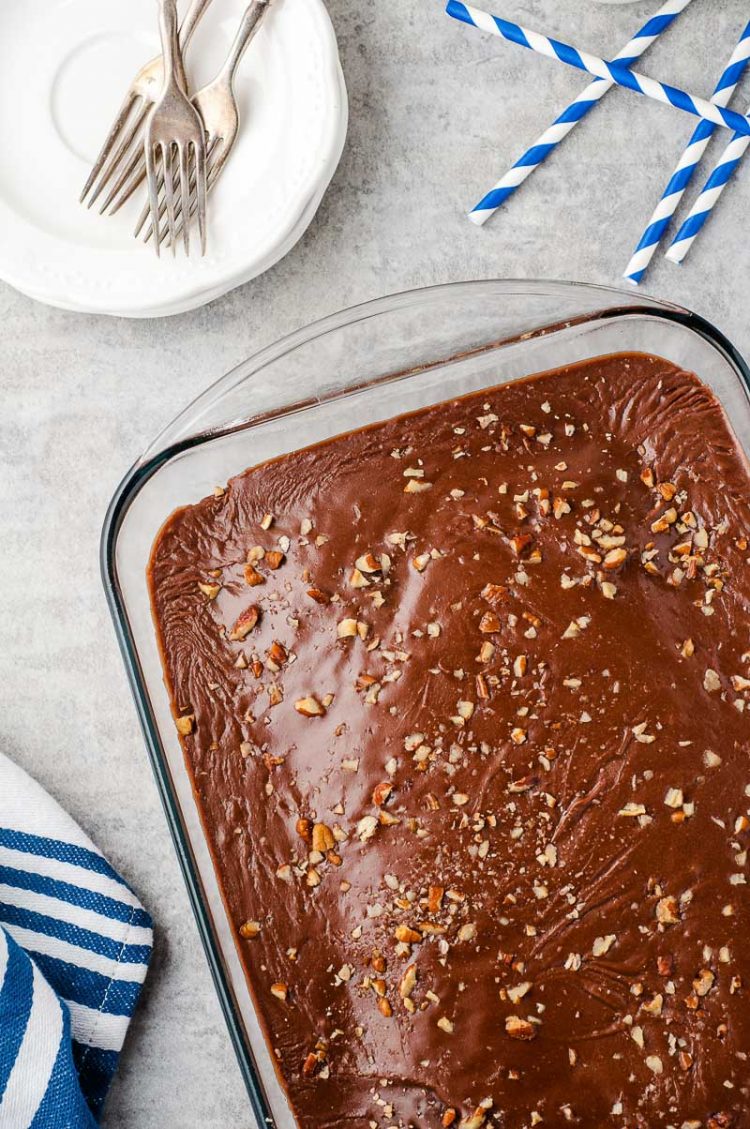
358	367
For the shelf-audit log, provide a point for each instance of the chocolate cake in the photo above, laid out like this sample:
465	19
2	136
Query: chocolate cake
463	696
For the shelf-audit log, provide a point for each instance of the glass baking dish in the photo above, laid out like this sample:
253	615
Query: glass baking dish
358	367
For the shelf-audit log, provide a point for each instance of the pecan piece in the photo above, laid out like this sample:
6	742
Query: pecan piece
322	838
408	982
310	1064
382	794
305	829
252	576
519	1028
309	707
245	624
435	897
278	653
211	591
407	936
495	593
489	623
667	911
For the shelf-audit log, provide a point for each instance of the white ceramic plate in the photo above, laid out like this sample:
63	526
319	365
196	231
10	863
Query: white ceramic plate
64	69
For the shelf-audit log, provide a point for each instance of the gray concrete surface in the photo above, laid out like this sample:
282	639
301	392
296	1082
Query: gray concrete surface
437	112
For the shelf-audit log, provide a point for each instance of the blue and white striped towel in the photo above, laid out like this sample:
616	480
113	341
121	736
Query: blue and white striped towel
74	948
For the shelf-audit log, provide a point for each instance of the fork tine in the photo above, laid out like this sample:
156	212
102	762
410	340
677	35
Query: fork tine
199	150
166	160
128	184
153	192
128	179
215	160
182	156
164	229
214	163
142	220
108	145
185	197
120	154
147	212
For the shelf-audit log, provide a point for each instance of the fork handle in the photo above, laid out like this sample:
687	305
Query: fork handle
174	69
250	23
197	11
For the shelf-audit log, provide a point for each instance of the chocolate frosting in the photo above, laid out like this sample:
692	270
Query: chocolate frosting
463	699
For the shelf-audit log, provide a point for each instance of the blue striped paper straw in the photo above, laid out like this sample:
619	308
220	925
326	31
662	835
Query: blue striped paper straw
583	61
709	197
576	112
687	166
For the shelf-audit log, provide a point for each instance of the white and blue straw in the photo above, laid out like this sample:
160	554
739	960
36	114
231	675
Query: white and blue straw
576	111
709	197
688	165
583	61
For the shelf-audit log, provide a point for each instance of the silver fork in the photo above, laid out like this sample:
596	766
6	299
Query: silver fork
174	129
115	157
217	106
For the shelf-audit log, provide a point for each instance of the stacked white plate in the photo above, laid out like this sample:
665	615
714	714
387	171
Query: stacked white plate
64	68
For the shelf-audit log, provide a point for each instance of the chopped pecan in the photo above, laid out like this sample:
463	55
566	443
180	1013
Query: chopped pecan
667	911
322	838
495	593
408	982
245	624
519	1028
407	936
309	707
211	591
382	794
489	623
311	1064
435	896
305	829
277	653
252	576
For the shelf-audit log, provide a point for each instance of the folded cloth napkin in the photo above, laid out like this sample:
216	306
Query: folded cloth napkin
74	948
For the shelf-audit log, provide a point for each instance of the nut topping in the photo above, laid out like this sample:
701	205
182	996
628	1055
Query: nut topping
211	591
322	838
667	911
245	624
519	1028
252	576
309	707
382	794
